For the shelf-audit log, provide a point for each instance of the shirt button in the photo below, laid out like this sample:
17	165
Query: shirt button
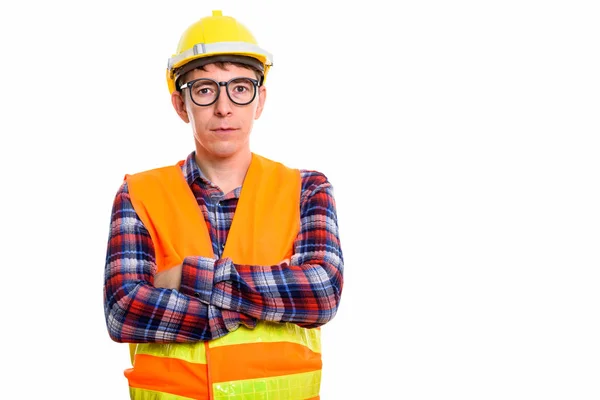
223	246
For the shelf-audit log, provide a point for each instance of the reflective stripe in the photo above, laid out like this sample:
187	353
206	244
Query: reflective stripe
169	375
289	387
190	352
143	394
272	332
264	332
220	47
260	360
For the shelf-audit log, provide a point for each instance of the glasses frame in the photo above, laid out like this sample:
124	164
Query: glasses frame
188	85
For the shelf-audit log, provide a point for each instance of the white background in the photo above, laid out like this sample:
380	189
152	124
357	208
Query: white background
461	138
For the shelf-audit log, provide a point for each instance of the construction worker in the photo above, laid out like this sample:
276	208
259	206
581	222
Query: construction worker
222	267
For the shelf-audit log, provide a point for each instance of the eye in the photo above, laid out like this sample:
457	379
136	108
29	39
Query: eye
203	88
240	88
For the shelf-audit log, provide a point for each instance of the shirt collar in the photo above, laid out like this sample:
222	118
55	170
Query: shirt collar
192	172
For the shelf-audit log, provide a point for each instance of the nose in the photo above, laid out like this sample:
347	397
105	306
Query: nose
223	105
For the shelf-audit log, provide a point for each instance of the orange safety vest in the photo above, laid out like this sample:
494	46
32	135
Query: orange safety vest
271	361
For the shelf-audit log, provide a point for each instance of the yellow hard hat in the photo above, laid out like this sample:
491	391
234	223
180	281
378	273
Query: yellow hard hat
212	39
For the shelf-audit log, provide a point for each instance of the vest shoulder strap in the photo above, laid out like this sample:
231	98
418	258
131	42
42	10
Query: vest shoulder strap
167	207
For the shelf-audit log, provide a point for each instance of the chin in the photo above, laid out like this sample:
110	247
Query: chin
221	148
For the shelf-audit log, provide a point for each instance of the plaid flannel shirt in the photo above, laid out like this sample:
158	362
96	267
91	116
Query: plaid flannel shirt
217	295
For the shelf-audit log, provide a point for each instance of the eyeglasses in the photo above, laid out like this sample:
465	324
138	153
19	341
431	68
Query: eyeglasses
205	91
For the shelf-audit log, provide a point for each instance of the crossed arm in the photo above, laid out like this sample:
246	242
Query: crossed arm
215	296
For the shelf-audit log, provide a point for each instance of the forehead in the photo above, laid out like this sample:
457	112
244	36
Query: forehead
220	72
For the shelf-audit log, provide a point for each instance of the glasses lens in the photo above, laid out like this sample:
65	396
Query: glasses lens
241	90
204	91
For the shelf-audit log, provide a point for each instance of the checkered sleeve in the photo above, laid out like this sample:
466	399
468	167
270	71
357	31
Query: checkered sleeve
306	291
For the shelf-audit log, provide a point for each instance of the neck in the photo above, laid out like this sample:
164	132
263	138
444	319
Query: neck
226	173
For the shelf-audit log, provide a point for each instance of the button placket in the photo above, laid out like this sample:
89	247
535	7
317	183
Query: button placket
217	210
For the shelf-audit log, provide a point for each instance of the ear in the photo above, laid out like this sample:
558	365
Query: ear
262	96
179	105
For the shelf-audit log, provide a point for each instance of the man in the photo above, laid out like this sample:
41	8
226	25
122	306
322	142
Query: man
221	268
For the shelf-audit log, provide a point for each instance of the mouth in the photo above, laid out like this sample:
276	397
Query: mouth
223	129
